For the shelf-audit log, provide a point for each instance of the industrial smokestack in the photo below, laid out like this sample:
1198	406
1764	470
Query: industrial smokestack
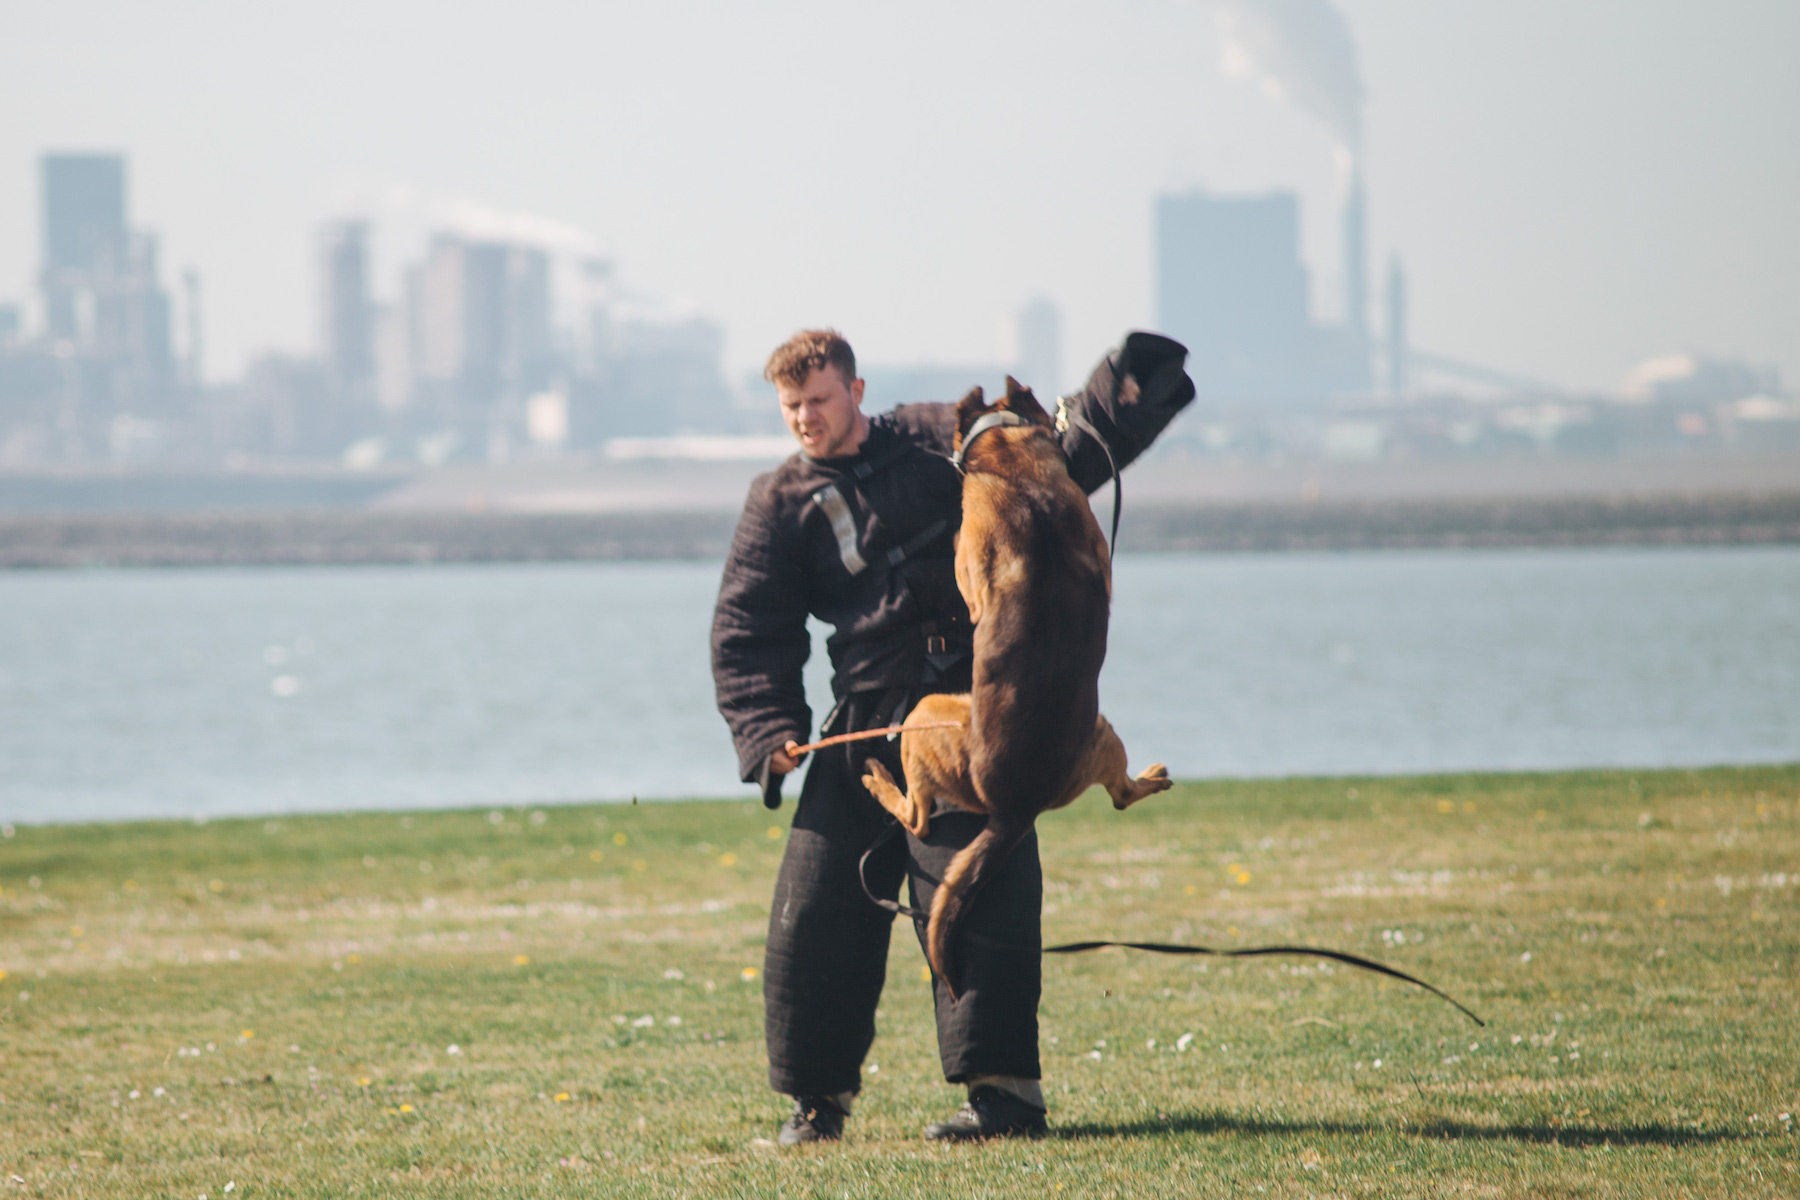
1356	262
1302	53
1397	366
190	287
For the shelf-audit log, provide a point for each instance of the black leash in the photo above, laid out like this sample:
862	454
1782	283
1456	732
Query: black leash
1350	960
1068	414
1353	960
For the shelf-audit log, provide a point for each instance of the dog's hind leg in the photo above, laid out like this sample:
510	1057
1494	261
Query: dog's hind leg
1108	764
914	812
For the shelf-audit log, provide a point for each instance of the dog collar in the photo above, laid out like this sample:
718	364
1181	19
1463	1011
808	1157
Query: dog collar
983	423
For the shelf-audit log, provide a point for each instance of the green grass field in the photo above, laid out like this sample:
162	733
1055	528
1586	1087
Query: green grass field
564	1001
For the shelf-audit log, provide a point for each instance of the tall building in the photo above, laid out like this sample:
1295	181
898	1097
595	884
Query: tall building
84	234
1231	286
481	344
347	319
106	311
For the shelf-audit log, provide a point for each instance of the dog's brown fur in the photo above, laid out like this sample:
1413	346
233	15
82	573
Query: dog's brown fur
1034	569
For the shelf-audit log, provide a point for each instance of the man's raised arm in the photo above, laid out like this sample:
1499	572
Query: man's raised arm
1129	399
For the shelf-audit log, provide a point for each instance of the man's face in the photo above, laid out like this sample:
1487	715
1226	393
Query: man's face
824	413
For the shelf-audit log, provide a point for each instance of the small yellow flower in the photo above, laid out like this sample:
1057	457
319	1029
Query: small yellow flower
1662	902
1445	806
1468	806
406	1108
2	974
217	885
1189	890
562	1097
774	833
354	958
1542	815
597	855
1243	877
728	859
247	1034
76	931
521	960
619	838
363	1082
638	864
747	974
924	974
131	885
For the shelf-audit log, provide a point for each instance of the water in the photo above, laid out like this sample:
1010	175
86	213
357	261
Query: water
176	693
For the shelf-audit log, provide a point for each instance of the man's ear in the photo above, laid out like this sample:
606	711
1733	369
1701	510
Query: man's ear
1021	402
968	410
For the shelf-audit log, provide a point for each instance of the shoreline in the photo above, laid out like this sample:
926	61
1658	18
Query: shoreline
326	536
1494	777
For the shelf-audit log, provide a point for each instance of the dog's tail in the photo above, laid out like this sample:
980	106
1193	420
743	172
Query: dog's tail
963	879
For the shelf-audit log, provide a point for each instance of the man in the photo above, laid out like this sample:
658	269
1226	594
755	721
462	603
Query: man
858	530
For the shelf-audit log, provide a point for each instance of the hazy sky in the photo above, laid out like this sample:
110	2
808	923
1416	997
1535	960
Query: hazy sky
1574	185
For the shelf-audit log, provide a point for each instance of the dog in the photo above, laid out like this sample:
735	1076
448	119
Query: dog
1035	571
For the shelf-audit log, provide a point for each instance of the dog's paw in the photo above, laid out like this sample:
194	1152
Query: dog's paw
1155	778
878	780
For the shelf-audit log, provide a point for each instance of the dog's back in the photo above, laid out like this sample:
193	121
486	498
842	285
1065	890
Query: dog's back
1034	568
1031	548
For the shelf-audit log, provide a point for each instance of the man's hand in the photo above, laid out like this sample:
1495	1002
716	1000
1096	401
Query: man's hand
787	759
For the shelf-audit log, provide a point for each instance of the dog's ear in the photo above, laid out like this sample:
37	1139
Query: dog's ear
968	411
1021	402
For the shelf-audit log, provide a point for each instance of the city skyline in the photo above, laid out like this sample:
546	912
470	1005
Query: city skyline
1572	191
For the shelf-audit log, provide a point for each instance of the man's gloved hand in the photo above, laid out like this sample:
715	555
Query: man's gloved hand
781	763
787	760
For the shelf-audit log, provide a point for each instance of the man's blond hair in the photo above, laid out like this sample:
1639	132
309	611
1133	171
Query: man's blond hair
808	351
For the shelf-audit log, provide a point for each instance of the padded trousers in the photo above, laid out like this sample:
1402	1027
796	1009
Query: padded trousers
826	957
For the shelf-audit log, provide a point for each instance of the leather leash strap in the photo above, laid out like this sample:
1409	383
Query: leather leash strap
1065	412
1350	960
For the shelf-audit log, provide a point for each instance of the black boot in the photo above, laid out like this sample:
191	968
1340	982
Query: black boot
815	1119
989	1112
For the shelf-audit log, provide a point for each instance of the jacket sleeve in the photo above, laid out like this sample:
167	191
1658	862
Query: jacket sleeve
1129	399
759	638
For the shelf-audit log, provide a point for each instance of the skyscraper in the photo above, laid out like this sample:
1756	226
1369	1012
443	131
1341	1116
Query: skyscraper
1229	285
347	317
104	302
481	342
84	235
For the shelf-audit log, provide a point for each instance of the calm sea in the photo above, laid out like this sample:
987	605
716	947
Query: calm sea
178	693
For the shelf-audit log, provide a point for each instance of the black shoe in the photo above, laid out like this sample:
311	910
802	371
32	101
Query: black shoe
815	1119
989	1112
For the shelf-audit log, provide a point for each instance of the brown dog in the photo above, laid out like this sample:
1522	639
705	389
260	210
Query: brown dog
1033	567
